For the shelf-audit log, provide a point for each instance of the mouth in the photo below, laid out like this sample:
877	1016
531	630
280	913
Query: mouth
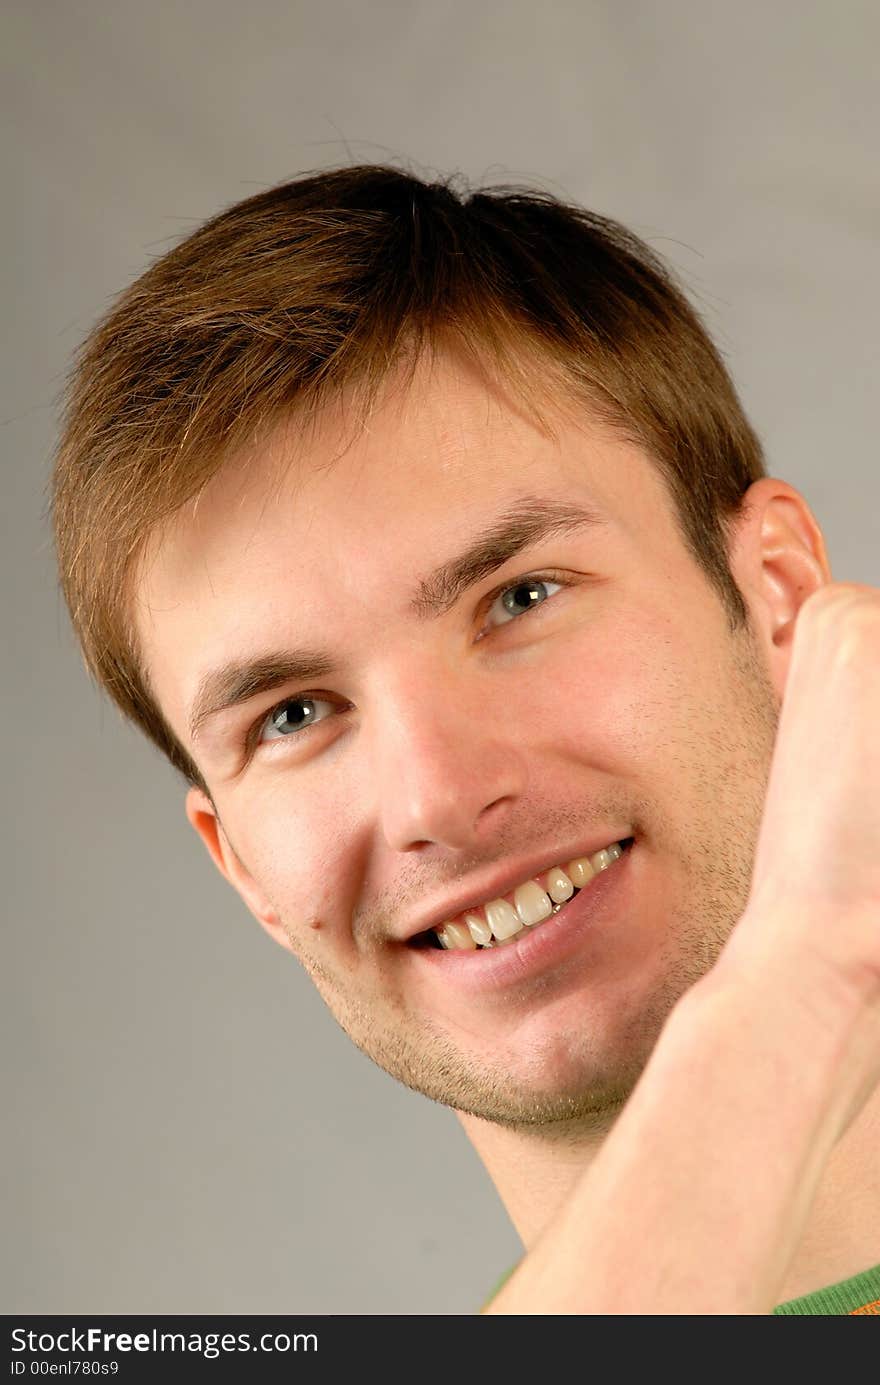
502	922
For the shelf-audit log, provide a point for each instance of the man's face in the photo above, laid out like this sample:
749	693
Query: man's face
462	737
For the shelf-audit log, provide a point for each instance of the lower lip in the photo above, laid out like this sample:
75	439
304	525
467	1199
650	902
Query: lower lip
602	902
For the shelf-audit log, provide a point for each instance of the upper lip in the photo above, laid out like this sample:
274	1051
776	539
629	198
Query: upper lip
498	881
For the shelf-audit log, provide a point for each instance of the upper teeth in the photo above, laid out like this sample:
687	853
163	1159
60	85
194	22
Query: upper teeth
535	900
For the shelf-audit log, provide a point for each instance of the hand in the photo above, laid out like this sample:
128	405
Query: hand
817	861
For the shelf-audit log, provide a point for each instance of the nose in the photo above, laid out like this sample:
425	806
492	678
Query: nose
448	766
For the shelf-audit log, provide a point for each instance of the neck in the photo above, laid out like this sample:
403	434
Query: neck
534	1174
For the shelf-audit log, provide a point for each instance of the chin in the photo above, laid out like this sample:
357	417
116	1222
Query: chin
561	1080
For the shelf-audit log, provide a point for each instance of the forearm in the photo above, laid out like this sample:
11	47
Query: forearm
698	1198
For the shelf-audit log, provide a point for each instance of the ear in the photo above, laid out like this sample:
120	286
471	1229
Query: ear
778	559
203	817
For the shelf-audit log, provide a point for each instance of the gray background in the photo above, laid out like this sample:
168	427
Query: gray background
187	1129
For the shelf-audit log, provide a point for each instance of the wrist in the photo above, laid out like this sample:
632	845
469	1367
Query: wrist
810	1021
825	961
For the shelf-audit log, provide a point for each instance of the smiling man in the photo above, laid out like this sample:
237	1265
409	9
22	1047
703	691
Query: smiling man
426	537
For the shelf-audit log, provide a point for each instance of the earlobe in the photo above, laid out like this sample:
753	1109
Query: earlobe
203	817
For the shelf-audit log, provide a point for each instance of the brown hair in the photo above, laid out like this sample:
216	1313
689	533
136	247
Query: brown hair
326	282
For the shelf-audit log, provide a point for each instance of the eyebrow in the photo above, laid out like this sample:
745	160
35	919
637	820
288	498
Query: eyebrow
527	521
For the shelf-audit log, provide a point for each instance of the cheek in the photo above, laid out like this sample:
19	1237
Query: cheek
605	692
295	844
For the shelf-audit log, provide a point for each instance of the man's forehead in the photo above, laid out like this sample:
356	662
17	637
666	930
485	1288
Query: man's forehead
447	445
360	514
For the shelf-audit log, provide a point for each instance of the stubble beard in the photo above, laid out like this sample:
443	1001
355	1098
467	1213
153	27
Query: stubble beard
423	1058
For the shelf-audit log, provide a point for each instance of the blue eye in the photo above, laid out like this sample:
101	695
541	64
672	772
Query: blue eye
522	596
306	713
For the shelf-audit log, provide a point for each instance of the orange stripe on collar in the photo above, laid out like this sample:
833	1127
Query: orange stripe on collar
872	1307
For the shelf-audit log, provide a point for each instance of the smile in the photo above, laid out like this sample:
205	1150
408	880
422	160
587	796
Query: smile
499	921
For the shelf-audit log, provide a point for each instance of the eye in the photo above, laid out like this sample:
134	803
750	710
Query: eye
520	597
293	715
